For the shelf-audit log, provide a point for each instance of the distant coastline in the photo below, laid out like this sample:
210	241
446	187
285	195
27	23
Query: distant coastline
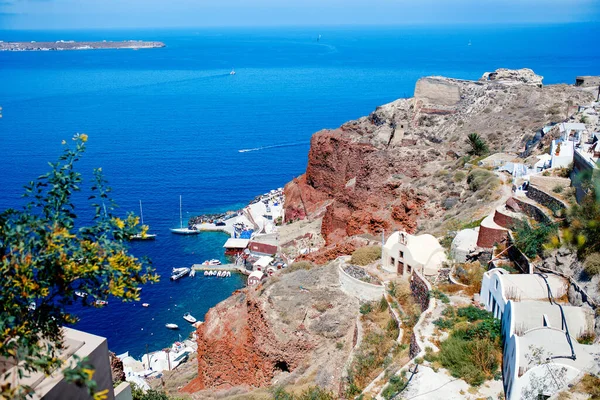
75	45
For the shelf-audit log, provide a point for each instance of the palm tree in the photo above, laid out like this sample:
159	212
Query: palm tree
478	146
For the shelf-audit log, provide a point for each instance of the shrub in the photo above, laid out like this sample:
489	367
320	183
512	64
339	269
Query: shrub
366	255
473	313
531	240
366	308
298	266
444	323
312	393
558	189
591	265
394	386
459	176
482	182
439	295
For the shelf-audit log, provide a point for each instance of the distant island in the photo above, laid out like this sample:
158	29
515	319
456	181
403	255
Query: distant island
73	45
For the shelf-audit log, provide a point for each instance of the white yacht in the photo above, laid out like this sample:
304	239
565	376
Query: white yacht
181	230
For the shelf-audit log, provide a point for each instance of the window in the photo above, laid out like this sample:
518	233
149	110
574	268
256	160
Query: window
496	283
401	255
392	261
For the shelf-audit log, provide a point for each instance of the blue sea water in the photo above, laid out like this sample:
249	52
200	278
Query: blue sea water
171	121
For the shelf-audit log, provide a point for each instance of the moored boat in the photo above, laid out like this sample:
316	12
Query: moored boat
189	318
179	273
145	305
101	302
171	326
181	230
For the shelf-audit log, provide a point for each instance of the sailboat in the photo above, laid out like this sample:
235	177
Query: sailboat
181	230
143	236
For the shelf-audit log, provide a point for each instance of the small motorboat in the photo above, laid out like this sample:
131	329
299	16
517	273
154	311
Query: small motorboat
189	318
179	273
81	294
145	305
214	261
171	326
232	72
101	303
192	273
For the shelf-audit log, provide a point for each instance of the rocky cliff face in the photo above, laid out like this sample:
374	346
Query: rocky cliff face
381	172
287	331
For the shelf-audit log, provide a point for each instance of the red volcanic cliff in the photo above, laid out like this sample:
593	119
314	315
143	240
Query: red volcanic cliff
236	346
351	185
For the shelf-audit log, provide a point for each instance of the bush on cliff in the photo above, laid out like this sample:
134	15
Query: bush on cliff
312	393
483	183
366	255
591	264
473	350
298	266
531	240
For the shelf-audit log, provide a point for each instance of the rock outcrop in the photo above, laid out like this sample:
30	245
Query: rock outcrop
523	75
287	331
382	172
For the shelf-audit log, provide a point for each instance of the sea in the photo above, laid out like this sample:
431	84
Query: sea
172	121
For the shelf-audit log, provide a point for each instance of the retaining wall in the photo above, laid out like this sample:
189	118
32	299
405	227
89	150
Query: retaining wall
544	198
359	289
533	211
516	256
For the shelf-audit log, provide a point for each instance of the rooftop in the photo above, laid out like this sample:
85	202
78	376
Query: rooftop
528	315
553	342
520	287
236	243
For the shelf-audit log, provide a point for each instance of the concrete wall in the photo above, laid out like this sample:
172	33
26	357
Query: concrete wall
359	289
123	392
436	91
95	348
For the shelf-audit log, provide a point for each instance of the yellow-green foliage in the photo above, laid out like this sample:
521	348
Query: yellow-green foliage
366	255
46	255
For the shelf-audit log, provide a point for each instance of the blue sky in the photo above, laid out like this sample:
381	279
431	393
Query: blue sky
76	14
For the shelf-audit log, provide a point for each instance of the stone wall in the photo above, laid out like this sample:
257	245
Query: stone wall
359	289
532	211
420	289
414	346
544	198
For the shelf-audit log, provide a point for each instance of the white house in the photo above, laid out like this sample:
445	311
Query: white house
562	152
571	131
255	278
262	263
542	362
403	253
498	286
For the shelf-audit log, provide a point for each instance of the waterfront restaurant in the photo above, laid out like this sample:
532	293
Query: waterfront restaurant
234	247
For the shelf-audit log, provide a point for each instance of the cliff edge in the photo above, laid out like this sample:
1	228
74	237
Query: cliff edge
382	172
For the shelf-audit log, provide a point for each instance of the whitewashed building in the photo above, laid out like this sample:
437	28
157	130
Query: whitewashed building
498	286
403	253
542	362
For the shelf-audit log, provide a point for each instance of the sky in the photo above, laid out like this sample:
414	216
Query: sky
93	14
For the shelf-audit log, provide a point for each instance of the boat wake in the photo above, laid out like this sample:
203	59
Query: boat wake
275	146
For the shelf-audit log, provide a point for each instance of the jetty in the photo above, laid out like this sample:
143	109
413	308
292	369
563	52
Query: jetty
222	267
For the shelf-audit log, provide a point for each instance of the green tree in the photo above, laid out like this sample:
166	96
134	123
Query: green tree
46	256
478	146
